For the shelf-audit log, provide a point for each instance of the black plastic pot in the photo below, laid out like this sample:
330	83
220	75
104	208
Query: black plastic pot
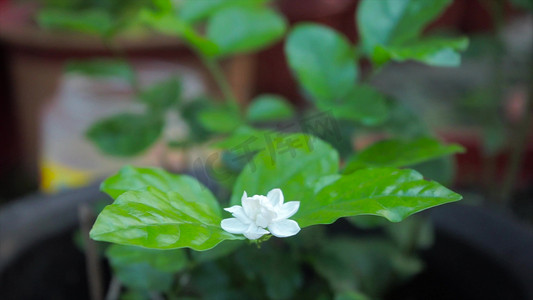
478	253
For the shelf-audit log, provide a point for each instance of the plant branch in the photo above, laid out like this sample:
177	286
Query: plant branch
218	75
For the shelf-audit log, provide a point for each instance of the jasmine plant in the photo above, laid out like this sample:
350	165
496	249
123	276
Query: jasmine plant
169	233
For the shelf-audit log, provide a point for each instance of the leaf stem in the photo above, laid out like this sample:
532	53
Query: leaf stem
218	75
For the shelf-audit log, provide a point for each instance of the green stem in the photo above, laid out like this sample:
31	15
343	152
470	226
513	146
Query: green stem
216	71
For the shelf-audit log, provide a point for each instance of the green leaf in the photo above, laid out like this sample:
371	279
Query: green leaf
322	60
278	271
104	68
162	260
240	29
526	4
221	119
269	108
193	10
145	269
293	163
89	21
351	296
249	139
440	52
368	265
125	134
170	24
395	22
396	153
362	104
391	193
138	179
221	250
158	220
163	94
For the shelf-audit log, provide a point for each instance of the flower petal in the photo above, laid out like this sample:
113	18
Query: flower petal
238	212
287	210
233	225
244	196
276	197
284	228
254	232
251	206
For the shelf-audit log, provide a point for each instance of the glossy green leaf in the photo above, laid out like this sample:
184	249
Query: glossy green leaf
138	179
170	24
440	52
158	220
269	108
395	22
322	60
391	193
125	134
362	104
104	68
293	163
163	94
89	21
396	153
243	29
194	10
221	119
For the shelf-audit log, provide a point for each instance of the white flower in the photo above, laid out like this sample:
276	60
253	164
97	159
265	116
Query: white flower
259	213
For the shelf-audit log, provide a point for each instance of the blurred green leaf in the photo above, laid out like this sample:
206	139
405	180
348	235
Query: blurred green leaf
441	169
241	29
369	265
351	296
190	112
160	220
526	4
249	139
403	122
145	269
396	153
132	294
221	250
277	270
411	234
293	163
105	68
266	108
440	52
362	104
163	94
161	260
322	60
89	21
194	10
220	119
125	134
395	22
170	24
391	193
